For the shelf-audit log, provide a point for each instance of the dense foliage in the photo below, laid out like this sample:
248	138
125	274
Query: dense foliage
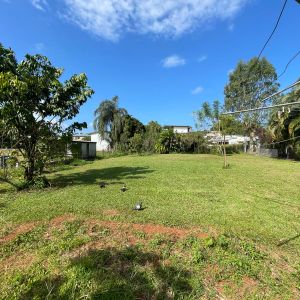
34	104
249	85
284	126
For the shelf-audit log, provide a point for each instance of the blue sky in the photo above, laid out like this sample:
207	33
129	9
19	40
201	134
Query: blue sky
162	58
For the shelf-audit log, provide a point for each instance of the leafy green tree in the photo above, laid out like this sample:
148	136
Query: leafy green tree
212	117
131	127
151	136
249	84
207	116
284	124
193	142
110	121
34	104
136	143
285	129
167	142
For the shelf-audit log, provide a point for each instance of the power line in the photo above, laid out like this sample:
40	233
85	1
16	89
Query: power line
276	25
279	142
289	62
267	107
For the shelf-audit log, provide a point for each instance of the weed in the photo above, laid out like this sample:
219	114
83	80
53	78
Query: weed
140	234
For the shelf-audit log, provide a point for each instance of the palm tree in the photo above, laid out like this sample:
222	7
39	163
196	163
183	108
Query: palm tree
294	124
109	120
278	125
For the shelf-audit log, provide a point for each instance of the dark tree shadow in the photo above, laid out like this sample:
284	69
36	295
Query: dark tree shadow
101	175
286	241
116	274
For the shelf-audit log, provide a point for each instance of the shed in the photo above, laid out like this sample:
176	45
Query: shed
83	149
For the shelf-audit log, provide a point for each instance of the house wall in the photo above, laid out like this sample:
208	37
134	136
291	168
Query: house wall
81	137
235	139
101	145
181	129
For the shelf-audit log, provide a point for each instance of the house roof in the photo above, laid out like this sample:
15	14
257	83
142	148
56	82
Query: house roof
79	135
89	142
178	126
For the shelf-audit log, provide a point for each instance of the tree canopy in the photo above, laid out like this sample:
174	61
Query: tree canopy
284	124
110	120
249	84
35	104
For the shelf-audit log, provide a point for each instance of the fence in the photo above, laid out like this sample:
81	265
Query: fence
268	152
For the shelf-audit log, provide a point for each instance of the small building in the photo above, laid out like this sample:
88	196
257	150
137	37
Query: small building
83	149
179	128
101	143
215	137
81	137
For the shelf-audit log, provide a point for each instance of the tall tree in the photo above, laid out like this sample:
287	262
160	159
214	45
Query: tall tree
207	116
110	120
131	127
212	117
249	84
34	104
153	130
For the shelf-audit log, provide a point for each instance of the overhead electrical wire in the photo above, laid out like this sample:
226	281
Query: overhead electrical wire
267	107
289	62
268	40
285	69
282	141
272	33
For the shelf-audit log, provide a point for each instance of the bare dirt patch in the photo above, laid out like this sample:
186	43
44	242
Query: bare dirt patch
111	212
17	261
247	287
150	229
57	221
23	228
119	228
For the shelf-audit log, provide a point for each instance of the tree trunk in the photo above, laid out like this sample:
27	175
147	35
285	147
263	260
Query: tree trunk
252	135
29	171
245	145
224	150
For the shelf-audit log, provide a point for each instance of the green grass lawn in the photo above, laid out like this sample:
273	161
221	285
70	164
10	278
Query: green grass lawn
248	214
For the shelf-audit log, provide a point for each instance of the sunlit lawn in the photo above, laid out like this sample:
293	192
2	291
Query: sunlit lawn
256	200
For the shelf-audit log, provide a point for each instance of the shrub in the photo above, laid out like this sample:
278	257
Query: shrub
297	151
136	143
167	142
39	182
193	143
231	149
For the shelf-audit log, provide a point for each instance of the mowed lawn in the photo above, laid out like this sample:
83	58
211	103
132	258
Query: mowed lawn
255	202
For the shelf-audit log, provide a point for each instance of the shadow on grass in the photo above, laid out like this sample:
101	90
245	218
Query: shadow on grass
101	175
115	274
286	241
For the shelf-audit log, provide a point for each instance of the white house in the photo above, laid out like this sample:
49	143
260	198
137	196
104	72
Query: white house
179	128
215	137
102	145
81	137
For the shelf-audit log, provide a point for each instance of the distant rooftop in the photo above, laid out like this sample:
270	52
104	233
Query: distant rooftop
81	135
178	126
